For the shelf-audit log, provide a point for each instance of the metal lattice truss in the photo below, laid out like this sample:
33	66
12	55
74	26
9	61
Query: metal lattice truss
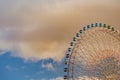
94	53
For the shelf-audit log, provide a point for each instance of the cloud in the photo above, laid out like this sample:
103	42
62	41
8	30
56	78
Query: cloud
80	78
58	78
48	66
32	79
26	76
35	30
87	78
43	79
8	67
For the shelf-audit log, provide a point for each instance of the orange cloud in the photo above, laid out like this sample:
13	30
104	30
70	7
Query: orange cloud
43	29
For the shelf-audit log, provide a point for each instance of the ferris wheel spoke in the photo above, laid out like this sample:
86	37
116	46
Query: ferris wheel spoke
91	45
83	48
93	40
94	44
110	39
86	44
115	44
93	37
78	73
83	52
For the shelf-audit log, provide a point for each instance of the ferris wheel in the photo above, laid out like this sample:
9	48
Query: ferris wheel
94	54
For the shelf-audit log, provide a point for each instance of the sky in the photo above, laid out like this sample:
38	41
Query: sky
35	34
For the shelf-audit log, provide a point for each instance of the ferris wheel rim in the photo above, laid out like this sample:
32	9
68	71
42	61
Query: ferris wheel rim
70	49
